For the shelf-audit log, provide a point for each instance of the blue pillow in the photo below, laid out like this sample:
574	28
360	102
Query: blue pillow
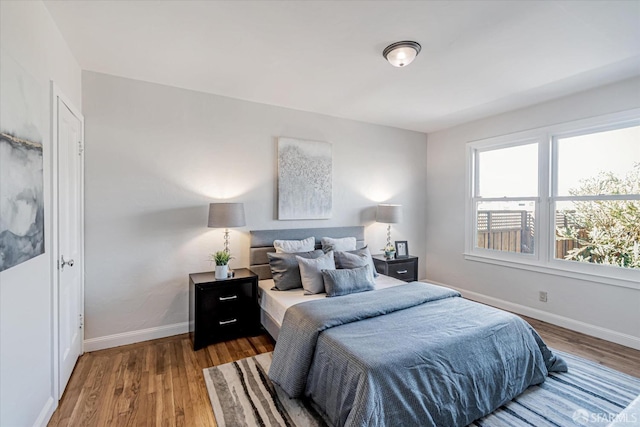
347	281
357	258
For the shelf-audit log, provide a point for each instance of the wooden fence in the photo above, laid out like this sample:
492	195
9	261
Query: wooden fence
563	246
513	231
510	231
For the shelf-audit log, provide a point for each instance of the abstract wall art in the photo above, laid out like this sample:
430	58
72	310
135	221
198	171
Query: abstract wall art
304	179
21	166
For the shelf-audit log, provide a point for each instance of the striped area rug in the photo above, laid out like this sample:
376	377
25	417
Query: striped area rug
588	395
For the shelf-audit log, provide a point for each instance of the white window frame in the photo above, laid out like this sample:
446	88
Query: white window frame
543	260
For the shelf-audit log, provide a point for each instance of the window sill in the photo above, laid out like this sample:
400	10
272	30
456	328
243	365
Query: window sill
631	282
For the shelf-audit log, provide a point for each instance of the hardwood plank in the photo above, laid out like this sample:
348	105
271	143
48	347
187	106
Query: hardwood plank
179	387
160	382
615	356
91	391
213	354
140	415
262	343
165	410
72	392
198	394
108	397
222	350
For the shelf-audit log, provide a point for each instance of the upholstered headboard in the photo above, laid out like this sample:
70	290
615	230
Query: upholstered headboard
262	242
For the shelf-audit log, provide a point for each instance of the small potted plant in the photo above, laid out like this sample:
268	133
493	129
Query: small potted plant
221	258
389	251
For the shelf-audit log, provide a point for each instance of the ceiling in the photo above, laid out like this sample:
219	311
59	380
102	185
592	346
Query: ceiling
478	58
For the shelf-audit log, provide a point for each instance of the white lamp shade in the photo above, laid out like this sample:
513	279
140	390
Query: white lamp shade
226	215
389	214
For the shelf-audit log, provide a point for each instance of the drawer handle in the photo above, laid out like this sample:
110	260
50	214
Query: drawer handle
402	271
227	322
232	297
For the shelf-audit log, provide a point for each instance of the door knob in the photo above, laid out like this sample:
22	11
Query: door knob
64	262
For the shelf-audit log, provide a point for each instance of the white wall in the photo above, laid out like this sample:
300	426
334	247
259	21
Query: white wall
29	37
156	156
603	310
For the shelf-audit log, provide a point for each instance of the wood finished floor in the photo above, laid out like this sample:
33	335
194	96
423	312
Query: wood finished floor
160	382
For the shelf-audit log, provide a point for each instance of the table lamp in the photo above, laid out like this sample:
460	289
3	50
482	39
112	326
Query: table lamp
389	214
226	215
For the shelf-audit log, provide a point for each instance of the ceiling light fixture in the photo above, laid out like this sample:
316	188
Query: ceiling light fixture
401	54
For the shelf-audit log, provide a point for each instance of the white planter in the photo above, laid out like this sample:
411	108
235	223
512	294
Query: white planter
222	271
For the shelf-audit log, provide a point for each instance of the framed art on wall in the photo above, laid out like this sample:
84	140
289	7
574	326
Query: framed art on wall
402	249
304	179
21	162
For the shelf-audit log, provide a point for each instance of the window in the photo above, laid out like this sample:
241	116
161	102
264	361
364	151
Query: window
506	194
597	197
563	199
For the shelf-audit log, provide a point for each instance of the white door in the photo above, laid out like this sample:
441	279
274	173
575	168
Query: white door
70	241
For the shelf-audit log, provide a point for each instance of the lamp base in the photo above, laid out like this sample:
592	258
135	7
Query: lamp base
226	240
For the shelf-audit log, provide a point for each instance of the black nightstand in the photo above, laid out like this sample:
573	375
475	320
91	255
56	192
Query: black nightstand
220	310
401	268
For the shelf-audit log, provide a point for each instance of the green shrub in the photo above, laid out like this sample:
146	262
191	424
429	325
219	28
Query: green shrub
607	231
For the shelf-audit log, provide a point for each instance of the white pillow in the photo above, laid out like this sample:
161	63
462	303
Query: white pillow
344	244
293	246
311	272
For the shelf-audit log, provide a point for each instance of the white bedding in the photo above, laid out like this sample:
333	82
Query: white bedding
275	303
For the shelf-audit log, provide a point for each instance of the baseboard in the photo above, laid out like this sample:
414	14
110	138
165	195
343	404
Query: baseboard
46	413
125	338
555	319
132	337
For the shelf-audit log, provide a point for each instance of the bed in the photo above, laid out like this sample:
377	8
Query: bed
273	303
402	354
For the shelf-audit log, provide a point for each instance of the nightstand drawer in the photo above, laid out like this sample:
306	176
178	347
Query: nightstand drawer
402	270
224	326
225	298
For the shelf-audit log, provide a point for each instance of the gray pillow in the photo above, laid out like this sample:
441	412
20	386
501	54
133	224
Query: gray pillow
364	250
347	281
354	259
349	260
285	270
311	272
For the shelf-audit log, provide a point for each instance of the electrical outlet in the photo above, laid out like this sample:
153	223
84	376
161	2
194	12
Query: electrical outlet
543	296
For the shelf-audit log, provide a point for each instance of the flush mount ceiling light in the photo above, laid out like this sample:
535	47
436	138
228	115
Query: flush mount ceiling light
401	54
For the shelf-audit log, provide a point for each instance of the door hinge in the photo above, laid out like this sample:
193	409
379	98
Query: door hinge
81	321
80	148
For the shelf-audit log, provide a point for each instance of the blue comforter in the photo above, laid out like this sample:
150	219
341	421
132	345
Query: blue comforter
415	354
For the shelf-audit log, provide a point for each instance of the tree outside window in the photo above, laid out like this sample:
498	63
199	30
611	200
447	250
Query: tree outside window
598	197
602	231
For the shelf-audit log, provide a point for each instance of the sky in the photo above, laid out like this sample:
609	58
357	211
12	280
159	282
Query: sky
513	172
581	157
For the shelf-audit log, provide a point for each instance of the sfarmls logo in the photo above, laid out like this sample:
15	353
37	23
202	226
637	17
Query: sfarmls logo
583	417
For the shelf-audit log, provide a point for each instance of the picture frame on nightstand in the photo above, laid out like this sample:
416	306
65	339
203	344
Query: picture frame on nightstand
402	249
